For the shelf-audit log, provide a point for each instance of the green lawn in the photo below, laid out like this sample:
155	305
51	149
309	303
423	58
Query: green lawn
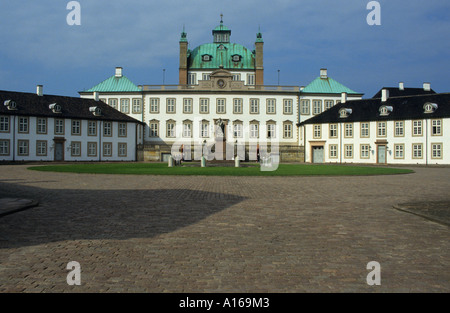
163	169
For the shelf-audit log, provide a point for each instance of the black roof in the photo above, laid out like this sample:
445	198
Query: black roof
397	92
30	104
403	108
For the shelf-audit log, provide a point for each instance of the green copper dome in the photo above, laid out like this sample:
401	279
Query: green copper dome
217	55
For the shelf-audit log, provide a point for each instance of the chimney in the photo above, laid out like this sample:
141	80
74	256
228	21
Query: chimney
96	96
384	95
40	90
401	86
323	73
343	97
427	86
119	72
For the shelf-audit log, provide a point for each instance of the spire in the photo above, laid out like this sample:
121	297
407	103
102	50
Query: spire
183	37
259	35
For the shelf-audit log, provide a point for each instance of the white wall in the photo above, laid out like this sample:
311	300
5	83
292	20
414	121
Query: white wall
407	140
14	136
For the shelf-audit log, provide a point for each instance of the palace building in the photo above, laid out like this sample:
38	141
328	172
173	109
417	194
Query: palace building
40	127
397	126
220	84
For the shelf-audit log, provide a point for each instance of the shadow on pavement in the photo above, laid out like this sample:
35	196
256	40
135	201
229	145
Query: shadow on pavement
73	214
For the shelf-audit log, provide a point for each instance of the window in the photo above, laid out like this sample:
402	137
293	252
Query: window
122	148
187	129
170	129
436	129
365	149
23	147
107	149
206	77
237	130
107	129
204	129
304	108
76	148
287	130
328	104
4	147
192	78
436	151
348	130
348	151
92	128
170	108
399	151
137	108
154	105
254	106
237	106
333	151
59	127
417	151
364	130
417	128
236	58
125	106
206	57
76	127
204	105
41	127
122	130
317	106
251	79
317	133
236	77
220	106
187	105
399	129
112	103
254	130
381	129
92	149
333	130
23	124
270	106
287	106
271	130
154	128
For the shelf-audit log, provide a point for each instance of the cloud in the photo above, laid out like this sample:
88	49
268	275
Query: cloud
300	36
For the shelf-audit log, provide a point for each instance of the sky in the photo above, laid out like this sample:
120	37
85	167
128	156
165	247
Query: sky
38	47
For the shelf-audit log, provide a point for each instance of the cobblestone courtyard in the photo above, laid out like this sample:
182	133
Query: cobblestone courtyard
222	234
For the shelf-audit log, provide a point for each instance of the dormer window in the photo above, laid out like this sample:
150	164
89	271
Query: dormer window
236	58
56	108
344	113
96	111
385	110
11	105
206	58
430	107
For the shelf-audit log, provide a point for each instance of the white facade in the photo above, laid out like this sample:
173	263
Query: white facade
62	135
421	140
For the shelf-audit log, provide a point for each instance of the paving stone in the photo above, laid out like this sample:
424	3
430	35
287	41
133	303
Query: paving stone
135	233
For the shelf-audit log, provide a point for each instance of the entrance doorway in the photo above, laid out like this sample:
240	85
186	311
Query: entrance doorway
59	149
381	154
317	154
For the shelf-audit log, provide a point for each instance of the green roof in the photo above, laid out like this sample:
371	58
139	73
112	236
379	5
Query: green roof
221	27
327	85
116	84
221	54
